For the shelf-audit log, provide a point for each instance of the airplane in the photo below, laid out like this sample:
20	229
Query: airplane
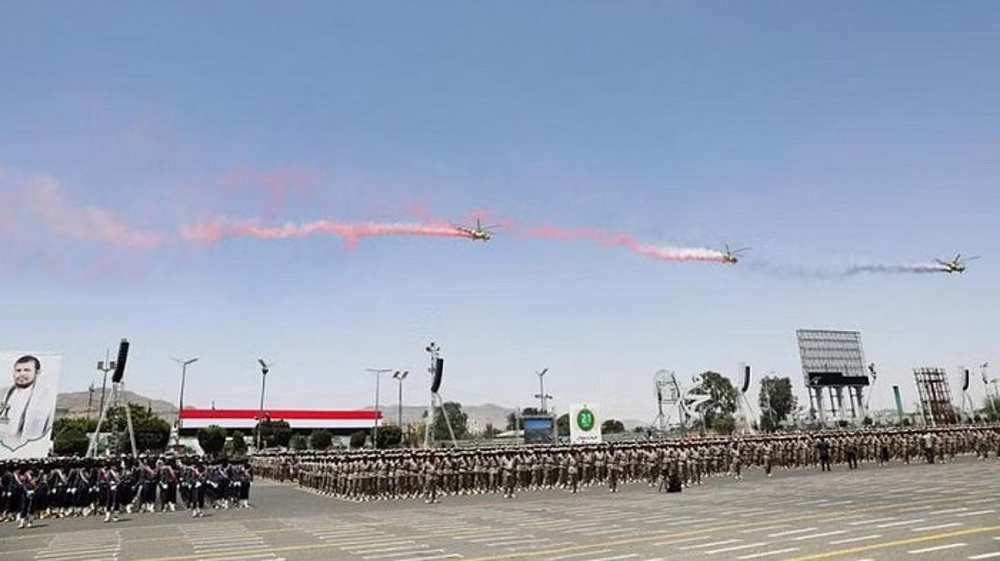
956	266
479	233
732	256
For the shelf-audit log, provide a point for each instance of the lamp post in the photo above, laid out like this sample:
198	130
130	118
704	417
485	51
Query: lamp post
105	366
378	374
180	408
399	377
264	369
434	351
541	395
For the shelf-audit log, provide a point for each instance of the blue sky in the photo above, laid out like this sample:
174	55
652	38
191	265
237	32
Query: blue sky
824	135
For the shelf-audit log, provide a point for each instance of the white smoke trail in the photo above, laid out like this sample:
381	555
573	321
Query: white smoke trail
819	273
663	253
878	268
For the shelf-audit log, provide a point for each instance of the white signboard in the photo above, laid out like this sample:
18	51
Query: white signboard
584	424
29	383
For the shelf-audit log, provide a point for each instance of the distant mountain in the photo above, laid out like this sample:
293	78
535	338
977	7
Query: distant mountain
75	404
479	414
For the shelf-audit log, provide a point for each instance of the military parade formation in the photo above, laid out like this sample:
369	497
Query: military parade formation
75	487
662	464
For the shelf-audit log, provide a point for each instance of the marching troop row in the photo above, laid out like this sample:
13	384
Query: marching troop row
666	464
61	487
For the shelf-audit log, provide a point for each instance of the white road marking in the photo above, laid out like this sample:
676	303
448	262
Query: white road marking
419	548
858	539
985	556
976	513
823	535
901	523
791	532
915	508
938	527
629	556
936	548
763	529
710	544
736	548
571	555
873	520
683	540
949	511
366	549
768	553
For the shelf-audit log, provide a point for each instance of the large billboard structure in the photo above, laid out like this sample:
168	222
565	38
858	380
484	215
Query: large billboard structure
833	364
29	383
935	396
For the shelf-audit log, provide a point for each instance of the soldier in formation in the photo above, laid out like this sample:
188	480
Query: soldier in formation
431	474
64	487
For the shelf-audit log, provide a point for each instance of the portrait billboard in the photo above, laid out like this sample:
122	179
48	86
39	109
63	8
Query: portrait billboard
29	383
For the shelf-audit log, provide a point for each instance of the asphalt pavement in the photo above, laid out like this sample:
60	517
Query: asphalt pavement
901	512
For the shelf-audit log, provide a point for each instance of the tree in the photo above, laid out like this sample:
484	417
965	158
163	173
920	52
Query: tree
562	424
358	439
724	424
298	442
320	439
237	444
612	426
152	433
991	408
776	400
212	440
459	422
389	436
490	431
274	433
70	442
69	435
722	397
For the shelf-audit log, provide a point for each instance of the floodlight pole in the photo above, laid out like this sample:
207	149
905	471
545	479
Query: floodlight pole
180	408
378	374
264	369
434	351
541	395
399	377
105	366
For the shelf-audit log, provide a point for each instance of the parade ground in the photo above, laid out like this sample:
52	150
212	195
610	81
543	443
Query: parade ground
901	512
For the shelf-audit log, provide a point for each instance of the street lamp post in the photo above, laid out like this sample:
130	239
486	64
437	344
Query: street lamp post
399	377
180	421
378	374
105	366
264	369
434	351
541	395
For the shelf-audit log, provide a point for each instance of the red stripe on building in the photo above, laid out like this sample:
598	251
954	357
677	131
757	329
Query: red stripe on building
279	414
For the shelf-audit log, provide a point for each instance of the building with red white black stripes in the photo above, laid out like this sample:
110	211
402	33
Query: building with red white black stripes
301	421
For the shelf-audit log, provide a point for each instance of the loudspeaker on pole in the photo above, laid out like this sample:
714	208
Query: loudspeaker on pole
120	364
746	378
965	380
438	371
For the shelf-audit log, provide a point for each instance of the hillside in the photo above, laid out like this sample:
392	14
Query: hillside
75	404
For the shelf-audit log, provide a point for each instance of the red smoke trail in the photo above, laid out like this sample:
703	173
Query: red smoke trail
39	196
212	231
664	253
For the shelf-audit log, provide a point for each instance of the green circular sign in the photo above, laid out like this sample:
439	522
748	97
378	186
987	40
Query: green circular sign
585	419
